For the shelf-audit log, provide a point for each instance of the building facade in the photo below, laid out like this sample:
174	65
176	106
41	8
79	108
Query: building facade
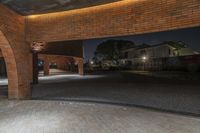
154	56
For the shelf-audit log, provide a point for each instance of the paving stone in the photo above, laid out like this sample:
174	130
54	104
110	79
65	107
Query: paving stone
75	117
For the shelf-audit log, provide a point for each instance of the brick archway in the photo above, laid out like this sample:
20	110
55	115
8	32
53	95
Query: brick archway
10	66
14	87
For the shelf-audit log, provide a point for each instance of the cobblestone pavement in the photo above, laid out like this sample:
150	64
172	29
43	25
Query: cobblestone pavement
115	87
74	117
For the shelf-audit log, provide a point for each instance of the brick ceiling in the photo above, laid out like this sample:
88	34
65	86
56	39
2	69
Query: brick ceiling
28	7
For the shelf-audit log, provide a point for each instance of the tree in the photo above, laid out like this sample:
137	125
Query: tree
111	49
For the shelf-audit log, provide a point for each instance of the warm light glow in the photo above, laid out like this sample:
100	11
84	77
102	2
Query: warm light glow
38	46
87	9
33	16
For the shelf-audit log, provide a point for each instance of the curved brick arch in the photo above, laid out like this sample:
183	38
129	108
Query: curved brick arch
10	66
16	53
17	71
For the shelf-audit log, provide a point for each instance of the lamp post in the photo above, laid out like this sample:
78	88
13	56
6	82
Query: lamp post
144	59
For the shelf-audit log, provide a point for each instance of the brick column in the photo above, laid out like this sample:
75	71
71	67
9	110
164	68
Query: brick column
46	66
80	67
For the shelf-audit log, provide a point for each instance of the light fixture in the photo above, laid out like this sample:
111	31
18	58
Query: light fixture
91	62
144	57
38	46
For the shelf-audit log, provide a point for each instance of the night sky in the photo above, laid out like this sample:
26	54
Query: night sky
190	36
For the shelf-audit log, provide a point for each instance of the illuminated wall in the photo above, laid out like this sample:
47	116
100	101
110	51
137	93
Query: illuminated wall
127	17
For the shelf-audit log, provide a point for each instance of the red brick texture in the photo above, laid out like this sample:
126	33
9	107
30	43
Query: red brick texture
16	53
61	62
127	17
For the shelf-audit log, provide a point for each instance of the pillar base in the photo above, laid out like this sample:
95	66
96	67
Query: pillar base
80	67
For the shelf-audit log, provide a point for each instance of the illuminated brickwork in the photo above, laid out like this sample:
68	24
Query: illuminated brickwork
128	17
61	61
16	53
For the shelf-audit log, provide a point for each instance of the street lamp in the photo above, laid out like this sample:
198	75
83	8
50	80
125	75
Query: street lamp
91	62
38	46
144	58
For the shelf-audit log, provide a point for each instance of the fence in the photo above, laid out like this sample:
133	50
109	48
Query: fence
191	63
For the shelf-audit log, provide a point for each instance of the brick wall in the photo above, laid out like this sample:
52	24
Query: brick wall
61	61
16	53
127	17
69	48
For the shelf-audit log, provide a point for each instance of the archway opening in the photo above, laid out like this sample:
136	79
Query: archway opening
49	65
3	78
62	58
155	70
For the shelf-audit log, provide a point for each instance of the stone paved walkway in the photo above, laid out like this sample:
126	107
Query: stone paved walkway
73	117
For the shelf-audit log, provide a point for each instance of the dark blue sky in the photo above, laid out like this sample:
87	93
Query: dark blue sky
190	36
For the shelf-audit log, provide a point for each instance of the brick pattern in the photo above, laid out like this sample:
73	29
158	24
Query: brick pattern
61	62
127	17
15	52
